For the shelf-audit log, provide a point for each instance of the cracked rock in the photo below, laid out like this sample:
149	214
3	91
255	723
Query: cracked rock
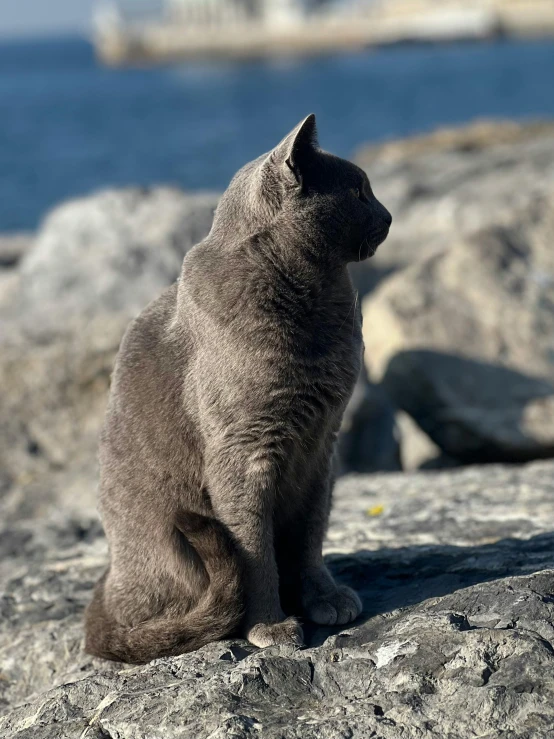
456	572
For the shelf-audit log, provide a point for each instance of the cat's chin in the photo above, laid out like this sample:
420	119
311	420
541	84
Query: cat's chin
371	251
371	247
382	237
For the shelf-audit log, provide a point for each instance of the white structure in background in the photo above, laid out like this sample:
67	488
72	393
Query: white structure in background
283	12
167	30
208	13
107	16
211	14
219	12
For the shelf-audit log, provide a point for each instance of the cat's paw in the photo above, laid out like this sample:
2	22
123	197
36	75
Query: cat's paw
284	632
334	609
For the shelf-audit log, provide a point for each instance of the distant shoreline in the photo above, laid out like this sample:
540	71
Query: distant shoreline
46	37
121	41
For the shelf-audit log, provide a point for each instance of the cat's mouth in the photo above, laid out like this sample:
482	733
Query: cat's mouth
375	240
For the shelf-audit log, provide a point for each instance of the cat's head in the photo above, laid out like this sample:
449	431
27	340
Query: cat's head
328	199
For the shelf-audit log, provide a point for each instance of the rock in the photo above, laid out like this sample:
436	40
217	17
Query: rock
13	247
95	264
464	340
369	436
417	450
446	185
456	570
109	253
475	138
441	189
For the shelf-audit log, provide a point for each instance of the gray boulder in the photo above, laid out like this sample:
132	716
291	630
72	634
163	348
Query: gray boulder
448	184
456	571
369	439
441	188
13	247
106	254
95	264
464	340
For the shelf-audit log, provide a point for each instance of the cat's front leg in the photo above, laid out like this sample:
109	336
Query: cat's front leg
322	599
243	496
326	602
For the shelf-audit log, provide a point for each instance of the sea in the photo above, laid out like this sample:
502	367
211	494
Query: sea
70	126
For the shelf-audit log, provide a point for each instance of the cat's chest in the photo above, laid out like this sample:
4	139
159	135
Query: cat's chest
326	363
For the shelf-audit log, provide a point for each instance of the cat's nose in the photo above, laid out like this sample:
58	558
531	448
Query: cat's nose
387	216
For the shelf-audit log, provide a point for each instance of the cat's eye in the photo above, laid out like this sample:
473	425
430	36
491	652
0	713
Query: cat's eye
357	193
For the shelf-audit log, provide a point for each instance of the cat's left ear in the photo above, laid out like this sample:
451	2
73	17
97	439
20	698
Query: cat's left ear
295	149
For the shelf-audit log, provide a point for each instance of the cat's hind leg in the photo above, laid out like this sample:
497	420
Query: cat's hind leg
169	623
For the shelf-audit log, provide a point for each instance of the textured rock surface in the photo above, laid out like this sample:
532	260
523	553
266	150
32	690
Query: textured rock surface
456	570
465	340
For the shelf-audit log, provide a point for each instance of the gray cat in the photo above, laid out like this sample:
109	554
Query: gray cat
227	397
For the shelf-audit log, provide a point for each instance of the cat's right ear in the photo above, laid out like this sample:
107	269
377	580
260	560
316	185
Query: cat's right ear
293	153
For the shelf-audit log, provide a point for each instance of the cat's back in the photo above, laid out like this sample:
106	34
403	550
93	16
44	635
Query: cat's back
146	395
145	353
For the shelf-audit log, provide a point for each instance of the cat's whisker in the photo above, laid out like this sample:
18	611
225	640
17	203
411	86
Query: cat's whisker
354	316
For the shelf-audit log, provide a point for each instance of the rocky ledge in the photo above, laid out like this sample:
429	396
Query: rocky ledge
456	570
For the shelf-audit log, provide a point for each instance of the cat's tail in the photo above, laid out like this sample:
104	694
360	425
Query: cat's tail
216	615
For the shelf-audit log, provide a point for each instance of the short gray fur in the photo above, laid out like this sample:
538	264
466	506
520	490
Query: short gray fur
227	397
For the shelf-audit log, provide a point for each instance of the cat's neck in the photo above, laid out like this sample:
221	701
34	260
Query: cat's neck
300	252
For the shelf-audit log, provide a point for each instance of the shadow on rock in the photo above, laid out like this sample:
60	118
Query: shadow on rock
475	411
389	579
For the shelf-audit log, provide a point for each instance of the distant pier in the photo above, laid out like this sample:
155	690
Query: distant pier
172	30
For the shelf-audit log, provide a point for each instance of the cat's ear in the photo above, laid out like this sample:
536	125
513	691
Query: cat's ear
294	150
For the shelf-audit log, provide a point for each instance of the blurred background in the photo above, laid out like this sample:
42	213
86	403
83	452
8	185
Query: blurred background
186	91
120	122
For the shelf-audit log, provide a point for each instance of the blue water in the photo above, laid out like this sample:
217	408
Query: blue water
69	126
